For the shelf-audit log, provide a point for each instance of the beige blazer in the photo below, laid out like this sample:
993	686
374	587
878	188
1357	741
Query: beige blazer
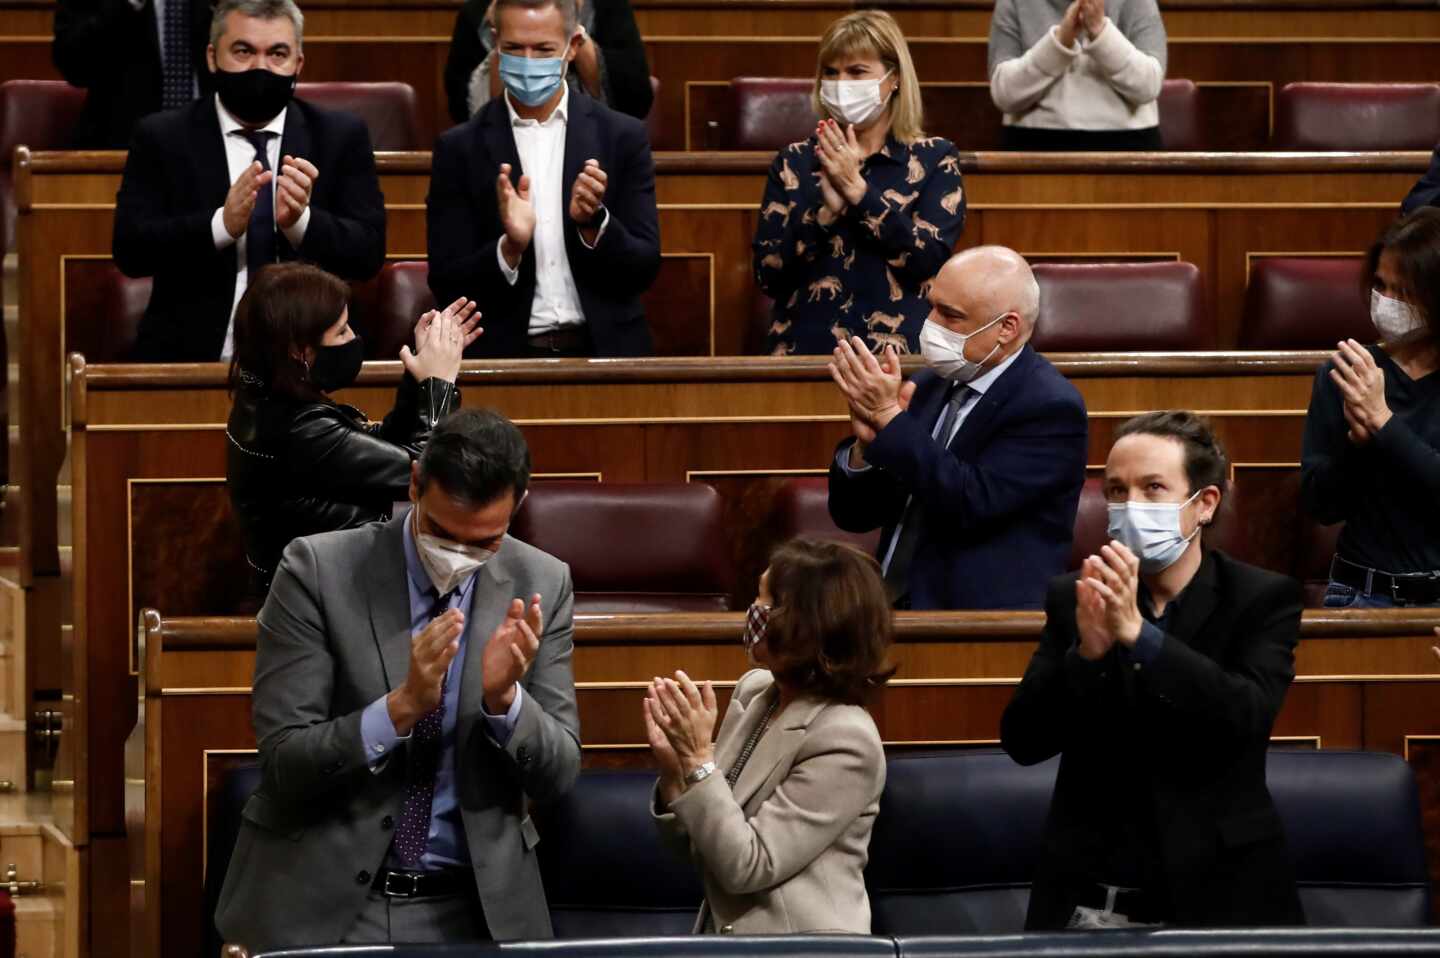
785	852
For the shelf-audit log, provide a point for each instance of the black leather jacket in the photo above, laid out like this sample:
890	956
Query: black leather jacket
295	468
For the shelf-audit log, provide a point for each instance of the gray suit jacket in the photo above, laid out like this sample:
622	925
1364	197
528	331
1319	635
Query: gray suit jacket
785	852
335	636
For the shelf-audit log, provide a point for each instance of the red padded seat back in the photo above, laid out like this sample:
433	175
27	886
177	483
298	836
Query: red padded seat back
802	509
388	109
40	114
103	309
1092	521
1357	116
1179	105
771	112
1305	303
383	310
1098	307
633	547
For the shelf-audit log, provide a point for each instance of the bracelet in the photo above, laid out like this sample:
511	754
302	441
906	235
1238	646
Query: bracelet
700	774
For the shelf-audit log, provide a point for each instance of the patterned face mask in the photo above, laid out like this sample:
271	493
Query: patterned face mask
757	620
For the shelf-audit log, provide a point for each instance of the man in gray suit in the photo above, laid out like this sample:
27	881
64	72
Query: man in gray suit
410	695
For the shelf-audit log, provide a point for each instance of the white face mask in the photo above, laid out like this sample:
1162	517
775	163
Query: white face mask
1393	318
944	350
853	101
447	563
1151	530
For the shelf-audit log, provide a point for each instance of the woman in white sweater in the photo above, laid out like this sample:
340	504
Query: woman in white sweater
1080	77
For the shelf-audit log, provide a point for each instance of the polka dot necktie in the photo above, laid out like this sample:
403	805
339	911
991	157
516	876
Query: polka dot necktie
413	832
260	244
177	75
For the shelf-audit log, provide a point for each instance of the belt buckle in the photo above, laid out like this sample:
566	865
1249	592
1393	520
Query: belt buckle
393	892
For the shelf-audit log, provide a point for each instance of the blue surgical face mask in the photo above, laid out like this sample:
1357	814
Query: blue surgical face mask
1151	530
532	81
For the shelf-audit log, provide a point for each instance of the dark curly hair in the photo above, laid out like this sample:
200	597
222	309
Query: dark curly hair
1414	241
831	629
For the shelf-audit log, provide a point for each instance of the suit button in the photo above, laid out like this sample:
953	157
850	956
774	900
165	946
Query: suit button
387	823
728	930
522	755
363	878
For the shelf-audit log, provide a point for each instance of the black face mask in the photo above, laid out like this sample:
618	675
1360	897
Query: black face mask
255	96
336	367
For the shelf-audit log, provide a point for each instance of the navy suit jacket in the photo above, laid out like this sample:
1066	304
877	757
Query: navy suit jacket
999	503
177	176
1426	191
464	228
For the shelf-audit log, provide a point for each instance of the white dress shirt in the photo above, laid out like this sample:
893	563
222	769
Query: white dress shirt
239	154
541	147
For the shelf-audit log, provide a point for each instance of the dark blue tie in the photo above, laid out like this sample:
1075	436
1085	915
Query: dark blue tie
412	833
177	72
260	245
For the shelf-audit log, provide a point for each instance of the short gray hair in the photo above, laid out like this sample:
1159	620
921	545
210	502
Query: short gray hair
569	11
260	10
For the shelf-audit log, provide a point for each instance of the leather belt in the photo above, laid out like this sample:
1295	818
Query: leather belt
1134	903
565	339
404	884
1414	587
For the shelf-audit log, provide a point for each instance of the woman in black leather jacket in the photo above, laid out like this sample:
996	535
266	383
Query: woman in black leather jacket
300	463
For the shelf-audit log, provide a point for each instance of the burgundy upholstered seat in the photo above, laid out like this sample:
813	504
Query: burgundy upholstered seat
103	309
40	114
1089	307
633	547
1180	126
771	112
1357	116
388	109
383	310
1304	303
802	509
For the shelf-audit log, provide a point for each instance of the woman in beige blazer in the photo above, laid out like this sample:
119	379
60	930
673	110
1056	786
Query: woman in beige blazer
777	813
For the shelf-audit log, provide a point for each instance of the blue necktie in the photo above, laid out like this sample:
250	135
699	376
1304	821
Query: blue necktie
177	73
260	244
412	834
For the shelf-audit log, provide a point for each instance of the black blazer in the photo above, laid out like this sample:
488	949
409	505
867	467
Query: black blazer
999	502
113	51
1196	724
176	177
1426	191
464	228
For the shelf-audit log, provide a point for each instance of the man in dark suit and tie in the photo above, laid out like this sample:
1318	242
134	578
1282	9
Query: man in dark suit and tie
1157	680
215	190
133	58
973	468
542	206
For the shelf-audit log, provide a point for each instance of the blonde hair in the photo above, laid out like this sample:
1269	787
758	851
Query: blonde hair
875	33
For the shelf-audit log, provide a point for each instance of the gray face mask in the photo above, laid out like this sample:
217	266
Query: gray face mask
1151	530
447	563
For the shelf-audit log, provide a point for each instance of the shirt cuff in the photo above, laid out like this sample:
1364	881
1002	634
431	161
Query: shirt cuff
378	733
842	459
503	726
600	233
1084	676
218	231
511	275
1148	645
295	233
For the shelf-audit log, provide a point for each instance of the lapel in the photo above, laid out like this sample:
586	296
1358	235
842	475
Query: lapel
579	139
776	747
489	599
977	423
388	596
499	140
207	152
295	140
1197	605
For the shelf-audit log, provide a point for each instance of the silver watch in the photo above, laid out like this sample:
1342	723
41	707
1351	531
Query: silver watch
700	774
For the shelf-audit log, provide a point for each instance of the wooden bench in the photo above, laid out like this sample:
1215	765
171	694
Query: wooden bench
1366	680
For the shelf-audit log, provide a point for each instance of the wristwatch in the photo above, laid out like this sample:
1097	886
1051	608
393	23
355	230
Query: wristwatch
700	774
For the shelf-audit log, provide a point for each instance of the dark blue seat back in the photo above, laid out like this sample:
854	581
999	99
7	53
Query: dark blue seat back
1352	820
956	843
606	873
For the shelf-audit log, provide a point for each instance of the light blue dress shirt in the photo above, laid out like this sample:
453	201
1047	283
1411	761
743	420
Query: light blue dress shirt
446	847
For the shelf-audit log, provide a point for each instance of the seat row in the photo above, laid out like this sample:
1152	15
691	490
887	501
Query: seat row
955	847
1301	302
